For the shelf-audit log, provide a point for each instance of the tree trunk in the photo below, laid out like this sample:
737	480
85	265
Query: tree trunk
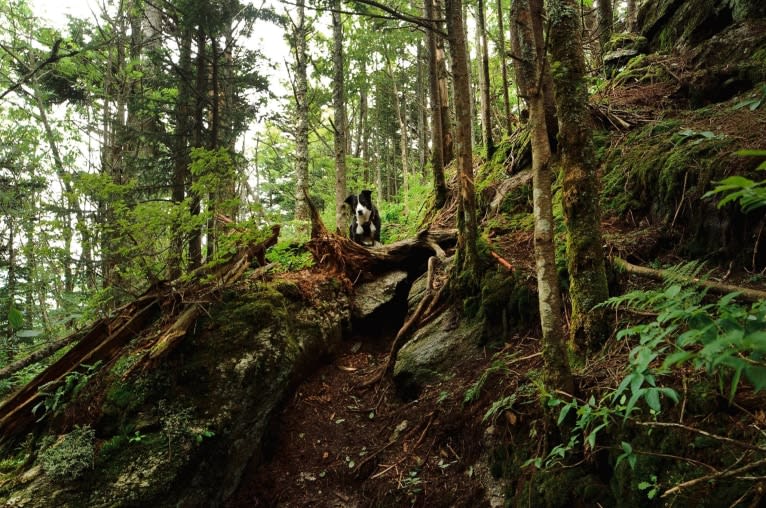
506	85
585	255
486	105
181	149
339	106
301	115
557	372
400	111
467	251
437	139
630	16
195	239
441	64
605	23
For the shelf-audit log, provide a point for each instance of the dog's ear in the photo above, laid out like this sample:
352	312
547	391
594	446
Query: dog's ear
366	193
351	201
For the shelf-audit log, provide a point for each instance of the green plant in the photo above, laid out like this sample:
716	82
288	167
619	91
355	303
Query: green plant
52	400
500	365
651	487
753	102
750	194
71	456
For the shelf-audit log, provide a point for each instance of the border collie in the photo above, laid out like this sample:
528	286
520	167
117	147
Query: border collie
365	220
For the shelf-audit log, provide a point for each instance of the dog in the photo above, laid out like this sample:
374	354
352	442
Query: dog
365	219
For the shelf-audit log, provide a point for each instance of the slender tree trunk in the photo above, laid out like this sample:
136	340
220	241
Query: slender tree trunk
630	16
605	23
400	110
504	68
10	286
421	109
467	251
585	256
446	123
301	114
486	104
195	239
181	149
557	372
437	138
339	106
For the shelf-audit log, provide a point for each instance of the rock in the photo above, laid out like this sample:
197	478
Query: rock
676	24
370	297
434	351
213	398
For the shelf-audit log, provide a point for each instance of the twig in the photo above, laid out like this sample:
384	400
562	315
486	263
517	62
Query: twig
506	264
713	477
724	439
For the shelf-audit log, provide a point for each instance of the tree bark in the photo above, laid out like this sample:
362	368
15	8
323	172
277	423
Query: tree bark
605	23
437	139
339	106
467	252
582	215
301	114
486	105
504	68
528	71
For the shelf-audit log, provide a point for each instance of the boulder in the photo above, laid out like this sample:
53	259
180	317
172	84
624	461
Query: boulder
435	350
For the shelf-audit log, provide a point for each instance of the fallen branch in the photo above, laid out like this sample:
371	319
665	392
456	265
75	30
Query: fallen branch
504	262
43	352
713	477
717	287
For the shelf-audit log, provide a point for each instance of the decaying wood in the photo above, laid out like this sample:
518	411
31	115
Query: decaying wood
43	352
107	338
339	254
717	287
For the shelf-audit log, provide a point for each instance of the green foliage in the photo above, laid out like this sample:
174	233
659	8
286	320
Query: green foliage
404	217
722	338
499	406
754	101
750	195
498	366
290	257
71	456
54	399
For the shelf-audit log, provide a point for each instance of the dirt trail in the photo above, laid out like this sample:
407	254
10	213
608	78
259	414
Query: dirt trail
337	444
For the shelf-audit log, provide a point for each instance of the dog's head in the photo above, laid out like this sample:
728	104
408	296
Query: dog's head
361	206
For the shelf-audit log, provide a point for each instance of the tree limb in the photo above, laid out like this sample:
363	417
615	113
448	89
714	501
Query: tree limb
717	287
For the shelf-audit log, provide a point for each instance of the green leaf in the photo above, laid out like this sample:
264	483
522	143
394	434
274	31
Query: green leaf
653	399
757	375
15	318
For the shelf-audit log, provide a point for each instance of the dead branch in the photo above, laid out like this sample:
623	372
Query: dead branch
43	352
717	287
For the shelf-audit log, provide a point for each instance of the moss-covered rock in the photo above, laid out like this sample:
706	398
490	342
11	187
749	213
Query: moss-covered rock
182	433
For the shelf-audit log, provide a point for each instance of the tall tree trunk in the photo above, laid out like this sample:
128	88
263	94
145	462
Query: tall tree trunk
605	23
421	109
630	16
557	372
538	29
181	148
506	85
339	106
200	95
10	286
400	110
467	251
437	139
486	104
585	256
301	114
441	64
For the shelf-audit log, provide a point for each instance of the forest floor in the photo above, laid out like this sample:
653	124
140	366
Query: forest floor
337	442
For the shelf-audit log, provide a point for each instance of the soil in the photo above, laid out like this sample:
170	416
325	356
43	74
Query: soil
338	443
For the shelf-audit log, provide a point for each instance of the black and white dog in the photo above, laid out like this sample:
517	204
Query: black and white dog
365	220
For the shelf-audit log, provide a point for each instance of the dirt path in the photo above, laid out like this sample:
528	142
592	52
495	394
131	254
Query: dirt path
337	444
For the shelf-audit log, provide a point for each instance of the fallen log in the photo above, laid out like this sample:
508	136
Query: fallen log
749	294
